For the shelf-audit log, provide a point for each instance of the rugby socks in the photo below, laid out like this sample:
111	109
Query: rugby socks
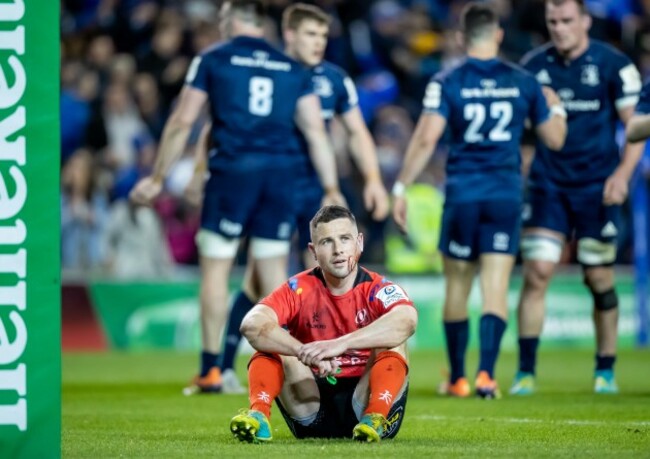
528	354
239	309
265	379
387	377
208	360
457	336
490	334
605	362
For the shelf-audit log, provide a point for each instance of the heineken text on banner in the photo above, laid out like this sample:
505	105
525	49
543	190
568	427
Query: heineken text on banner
30	361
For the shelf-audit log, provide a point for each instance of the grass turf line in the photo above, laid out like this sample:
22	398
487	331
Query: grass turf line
130	405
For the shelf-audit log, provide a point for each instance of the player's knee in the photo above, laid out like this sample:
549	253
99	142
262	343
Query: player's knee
540	248
537	274
265	355
605	301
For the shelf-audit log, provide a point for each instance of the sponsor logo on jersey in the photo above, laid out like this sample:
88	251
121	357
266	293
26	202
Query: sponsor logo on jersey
260	60
590	75
390	295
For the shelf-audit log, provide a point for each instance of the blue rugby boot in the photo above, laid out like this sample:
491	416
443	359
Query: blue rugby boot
370	428
251	426
524	384
604	382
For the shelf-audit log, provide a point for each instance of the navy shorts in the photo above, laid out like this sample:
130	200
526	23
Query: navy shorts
336	417
470	229
249	201
580	213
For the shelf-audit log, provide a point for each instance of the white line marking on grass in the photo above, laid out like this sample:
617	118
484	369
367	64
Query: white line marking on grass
571	422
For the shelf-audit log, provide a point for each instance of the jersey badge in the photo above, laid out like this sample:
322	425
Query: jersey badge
391	294
543	77
361	318
322	86
590	75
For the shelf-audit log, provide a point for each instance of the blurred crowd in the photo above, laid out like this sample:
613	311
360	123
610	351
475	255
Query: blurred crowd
123	62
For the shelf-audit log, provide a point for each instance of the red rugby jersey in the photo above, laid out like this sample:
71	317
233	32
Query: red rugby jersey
310	312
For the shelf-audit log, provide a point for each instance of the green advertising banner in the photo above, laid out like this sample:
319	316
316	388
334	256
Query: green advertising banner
30	337
141	315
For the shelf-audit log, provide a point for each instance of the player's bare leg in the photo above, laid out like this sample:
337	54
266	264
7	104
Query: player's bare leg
542	250
213	302
494	279
459	276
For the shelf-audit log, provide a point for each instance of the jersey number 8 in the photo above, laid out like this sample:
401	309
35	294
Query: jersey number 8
475	114
260	100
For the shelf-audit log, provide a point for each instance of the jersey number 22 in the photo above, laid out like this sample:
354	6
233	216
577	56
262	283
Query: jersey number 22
476	113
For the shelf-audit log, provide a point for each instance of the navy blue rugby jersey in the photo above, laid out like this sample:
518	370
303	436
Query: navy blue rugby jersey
337	94
593	88
253	89
486	104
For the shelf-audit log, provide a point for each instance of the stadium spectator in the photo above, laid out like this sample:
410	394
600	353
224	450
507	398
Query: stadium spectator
484	102
256	96
577	191
341	320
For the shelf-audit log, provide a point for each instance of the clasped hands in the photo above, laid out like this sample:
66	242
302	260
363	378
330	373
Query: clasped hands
321	356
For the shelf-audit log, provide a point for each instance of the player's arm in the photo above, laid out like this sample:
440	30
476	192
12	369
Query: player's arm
552	132
194	190
173	141
310	123
616	185
260	327
638	127
427	133
362	150
388	331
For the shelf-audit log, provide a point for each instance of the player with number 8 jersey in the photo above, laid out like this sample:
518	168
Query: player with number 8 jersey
256	96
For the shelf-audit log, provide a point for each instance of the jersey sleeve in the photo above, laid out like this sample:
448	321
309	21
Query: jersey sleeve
347	97
435	98
306	85
282	300
387	297
626	82
197	74
539	112
643	107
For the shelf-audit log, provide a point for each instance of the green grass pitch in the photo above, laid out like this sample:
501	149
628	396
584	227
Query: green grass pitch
130	405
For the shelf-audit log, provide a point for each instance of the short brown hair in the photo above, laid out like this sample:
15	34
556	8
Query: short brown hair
581	4
295	14
253	11
477	19
329	213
